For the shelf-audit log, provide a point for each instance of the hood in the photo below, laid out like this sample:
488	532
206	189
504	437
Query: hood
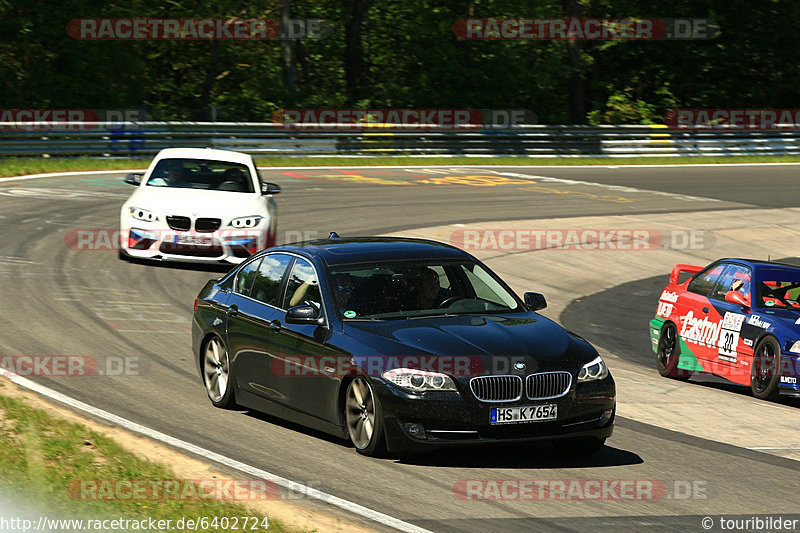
492	343
197	202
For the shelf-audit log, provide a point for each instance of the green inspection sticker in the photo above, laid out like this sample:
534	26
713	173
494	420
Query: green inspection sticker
349	314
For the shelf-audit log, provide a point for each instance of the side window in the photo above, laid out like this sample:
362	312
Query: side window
734	278
268	278
486	287
444	281
245	277
705	281
302	287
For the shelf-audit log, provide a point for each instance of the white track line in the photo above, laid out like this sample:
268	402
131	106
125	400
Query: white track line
217	458
565	167
59	174
363	167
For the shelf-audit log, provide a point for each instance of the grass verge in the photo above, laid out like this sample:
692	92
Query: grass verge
21	167
43	459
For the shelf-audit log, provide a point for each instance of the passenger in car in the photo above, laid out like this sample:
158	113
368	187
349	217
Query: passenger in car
176	177
344	289
302	294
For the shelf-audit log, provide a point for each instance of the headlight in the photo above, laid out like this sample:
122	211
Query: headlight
596	369
414	380
142	214
245	222
795	347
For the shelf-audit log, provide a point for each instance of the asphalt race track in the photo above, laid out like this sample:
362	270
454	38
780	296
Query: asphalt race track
63	301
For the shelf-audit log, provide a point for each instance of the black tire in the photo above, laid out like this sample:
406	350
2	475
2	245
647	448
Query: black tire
668	354
217	365
582	447
765	369
363	418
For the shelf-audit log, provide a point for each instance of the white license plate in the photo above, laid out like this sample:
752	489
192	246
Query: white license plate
195	240
523	413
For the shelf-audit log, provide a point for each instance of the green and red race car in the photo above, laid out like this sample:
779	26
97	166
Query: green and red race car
737	319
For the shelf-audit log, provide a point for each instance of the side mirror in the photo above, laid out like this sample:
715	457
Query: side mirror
270	188
134	178
736	297
535	301
303	314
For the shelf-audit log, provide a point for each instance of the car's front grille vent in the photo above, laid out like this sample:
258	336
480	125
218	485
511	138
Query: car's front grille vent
547	385
179	223
496	388
207	224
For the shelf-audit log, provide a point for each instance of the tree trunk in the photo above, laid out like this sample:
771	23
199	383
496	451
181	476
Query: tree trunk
577	83
354	11
289	56
208	84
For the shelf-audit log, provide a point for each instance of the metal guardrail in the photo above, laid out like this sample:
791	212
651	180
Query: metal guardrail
143	139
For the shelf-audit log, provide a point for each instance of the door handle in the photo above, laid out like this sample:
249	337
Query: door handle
232	310
275	325
705	309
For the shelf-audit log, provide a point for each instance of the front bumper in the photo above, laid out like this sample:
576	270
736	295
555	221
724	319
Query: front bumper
221	246
789	380
655	332
448	418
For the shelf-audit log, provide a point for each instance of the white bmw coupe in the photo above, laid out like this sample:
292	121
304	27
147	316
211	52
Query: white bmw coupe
199	205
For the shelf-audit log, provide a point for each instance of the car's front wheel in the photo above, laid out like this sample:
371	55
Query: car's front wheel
364	418
765	370
669	352
217	375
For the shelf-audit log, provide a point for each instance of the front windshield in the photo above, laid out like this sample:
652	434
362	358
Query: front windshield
778	288
201	174
408	289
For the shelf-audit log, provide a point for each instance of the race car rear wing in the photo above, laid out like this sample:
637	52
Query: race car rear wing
679	269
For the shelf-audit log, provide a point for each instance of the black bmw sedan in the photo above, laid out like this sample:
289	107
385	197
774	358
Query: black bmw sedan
397	344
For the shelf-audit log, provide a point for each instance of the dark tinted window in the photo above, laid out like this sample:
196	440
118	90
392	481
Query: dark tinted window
245	277
302	286
706	280
268	279
201	174
390	290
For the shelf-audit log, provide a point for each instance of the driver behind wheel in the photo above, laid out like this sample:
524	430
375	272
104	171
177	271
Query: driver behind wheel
425	289
233	179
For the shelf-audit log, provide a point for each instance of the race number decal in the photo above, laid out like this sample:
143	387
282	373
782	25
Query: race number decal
729	336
